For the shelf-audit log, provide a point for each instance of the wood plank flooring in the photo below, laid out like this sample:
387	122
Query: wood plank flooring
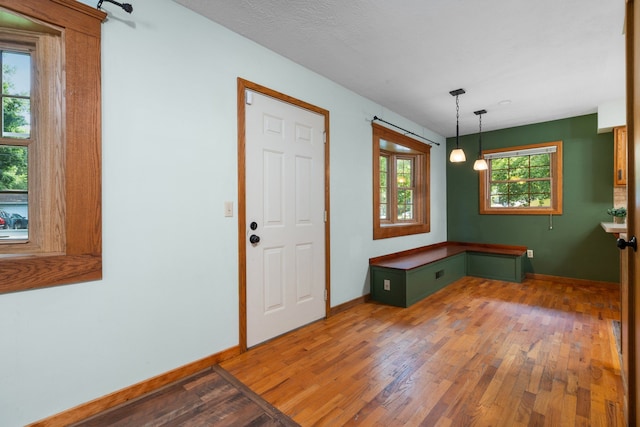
477	353
210	398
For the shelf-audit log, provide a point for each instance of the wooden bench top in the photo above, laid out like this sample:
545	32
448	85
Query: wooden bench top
414	258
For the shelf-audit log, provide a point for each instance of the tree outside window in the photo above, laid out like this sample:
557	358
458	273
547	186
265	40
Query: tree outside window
14	141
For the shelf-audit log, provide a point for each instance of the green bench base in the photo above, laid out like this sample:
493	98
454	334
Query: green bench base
405	278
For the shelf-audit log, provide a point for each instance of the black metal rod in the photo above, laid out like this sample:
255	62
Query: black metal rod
125	6
402	129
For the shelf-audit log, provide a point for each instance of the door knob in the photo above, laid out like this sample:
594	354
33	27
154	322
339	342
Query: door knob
622	244
254	239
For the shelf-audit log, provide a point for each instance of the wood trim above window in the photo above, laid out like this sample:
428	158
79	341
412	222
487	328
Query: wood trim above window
79	258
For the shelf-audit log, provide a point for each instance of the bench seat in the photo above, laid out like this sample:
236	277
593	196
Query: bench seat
404	278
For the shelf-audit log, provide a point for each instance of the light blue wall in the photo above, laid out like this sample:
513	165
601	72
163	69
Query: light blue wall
170	290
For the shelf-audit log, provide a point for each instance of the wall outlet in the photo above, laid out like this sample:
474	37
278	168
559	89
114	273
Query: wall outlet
387	285
529	253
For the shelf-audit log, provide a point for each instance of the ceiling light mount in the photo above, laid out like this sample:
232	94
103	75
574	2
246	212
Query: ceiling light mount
457	155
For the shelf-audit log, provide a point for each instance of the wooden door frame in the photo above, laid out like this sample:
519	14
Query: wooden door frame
629	256
242	86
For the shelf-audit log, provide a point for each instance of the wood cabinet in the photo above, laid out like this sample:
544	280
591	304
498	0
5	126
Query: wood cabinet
620	156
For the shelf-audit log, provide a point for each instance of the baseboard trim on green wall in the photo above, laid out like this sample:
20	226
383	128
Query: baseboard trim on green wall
564	280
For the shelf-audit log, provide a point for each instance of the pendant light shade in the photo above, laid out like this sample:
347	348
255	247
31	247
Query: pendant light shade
457	155
480	164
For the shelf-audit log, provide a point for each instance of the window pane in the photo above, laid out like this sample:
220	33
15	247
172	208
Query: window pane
405	197
406	213
383	163
499	201
384	174
502	163
16	90
404	173
518	194
519	173
540	160
540	200
383	211
499	174
16	117
518	187
405	204
541	187
16	74
518	161
14	204
540	172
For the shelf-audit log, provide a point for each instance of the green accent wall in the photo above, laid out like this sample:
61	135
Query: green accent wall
576	246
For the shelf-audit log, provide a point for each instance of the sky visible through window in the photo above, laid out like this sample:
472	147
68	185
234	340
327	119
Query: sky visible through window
16	91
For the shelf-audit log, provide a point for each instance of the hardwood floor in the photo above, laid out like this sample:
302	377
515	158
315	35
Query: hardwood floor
477	353
210	398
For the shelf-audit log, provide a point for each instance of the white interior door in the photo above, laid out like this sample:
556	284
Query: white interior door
285	268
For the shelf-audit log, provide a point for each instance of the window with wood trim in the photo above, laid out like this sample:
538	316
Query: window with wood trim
55	135
522	180
15	138
400	183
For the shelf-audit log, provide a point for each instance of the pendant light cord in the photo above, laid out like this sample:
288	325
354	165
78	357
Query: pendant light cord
457	123
480	136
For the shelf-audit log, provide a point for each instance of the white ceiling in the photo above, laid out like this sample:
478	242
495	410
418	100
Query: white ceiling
551	59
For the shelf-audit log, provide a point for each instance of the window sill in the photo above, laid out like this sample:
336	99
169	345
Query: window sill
19	272
531	211
397	230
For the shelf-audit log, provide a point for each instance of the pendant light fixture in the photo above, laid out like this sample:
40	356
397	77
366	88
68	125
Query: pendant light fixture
480	164
457	155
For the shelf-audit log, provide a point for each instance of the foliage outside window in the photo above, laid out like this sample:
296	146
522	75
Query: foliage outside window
401	189
522	180
397	187
14	141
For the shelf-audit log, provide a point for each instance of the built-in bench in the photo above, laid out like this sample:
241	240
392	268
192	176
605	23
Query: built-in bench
404	278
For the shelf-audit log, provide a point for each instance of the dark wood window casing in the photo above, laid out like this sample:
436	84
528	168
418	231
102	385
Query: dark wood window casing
395	146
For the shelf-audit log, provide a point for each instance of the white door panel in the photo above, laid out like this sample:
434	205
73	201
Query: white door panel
285	198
